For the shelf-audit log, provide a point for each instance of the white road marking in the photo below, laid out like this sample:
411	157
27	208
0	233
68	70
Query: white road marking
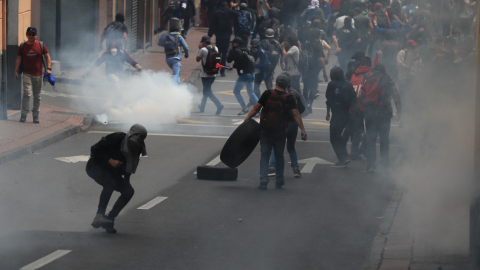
46	260
214	162
311	162
237	122
54	94
74	159
152	203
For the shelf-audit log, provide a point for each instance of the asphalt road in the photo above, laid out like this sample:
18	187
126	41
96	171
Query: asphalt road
325	220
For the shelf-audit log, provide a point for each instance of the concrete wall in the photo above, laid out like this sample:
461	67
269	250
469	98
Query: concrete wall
24	18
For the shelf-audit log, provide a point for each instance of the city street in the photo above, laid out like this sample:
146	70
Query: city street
326	220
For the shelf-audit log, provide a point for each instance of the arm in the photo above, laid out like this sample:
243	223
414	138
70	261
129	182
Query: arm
125	39
130	60
401	59
17	65
284	53
324	68
184	45
328	114
258	10
49	62
329	13
335	41
298	120
99	151
254	111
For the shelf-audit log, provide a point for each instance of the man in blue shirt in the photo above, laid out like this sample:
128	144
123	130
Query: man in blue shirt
325	6
173	44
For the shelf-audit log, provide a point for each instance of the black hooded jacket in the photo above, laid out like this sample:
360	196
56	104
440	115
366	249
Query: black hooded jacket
109	147
342	100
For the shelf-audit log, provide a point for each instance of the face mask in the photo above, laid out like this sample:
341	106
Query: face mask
254	49
113	51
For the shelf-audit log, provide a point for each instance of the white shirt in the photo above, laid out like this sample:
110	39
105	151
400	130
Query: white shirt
340	22
203	53
290	64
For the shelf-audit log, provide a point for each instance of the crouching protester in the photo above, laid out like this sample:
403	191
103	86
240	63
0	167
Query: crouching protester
292	131
341	97
276	104
376	95
112	160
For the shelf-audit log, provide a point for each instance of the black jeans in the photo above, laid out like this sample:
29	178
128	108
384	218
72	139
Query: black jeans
354	129
378	126
207	93
186	26
270	75
446	27
295	83
259	78
110	180
223	43
310	84
337	124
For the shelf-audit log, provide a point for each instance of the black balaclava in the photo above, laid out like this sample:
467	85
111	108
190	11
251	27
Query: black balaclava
336	74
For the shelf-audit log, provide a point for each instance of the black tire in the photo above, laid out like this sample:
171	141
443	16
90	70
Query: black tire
241	143
217	173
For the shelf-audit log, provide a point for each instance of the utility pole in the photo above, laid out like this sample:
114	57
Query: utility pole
4	65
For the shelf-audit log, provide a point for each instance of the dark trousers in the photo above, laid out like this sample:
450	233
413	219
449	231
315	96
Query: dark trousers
337	124
295	83
207	92
111	181
259	78
364	44
378	126
270	76
343	59
244	38
446	28
310	84
269	141
223	43
257	26
186	26
355	129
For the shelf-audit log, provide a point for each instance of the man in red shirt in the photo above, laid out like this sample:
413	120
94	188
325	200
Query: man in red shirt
30	59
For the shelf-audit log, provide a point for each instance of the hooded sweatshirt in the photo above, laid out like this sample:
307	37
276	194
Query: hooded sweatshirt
340	93
114	62
357	83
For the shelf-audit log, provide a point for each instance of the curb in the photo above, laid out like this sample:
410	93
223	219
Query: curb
194	76
44	142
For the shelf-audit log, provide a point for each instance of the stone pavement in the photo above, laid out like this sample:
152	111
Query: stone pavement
17	139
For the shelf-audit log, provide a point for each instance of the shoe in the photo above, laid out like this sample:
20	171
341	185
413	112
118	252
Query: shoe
101	220
317	95
280	184
244	111
339	165
347	161
23	118
219	110
356	157
111	230
272	172
35	120
263	185
371	168
296	173
200	108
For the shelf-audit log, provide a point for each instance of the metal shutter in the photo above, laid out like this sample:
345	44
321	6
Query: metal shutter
47	25
155	11
78	32
134	26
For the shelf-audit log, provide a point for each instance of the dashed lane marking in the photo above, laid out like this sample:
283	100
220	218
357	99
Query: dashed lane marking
46	260
192	121
152	203
74	159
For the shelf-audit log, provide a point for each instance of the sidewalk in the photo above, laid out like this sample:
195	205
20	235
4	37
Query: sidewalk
18	139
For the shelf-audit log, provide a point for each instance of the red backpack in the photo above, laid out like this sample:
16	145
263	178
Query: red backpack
375	92
213	58
275	113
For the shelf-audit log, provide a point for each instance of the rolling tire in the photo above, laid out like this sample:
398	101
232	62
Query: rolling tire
241	143
217	173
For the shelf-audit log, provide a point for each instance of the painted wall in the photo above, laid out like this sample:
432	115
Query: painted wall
24	18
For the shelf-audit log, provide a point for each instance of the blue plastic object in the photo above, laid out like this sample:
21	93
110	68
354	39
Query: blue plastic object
49	77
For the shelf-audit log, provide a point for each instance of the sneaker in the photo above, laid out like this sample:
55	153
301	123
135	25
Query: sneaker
200	108
339	165
356	157
111	230
219	110
23	118
272	172
296	173
280	184
101	220
35	120
347	161
371	168
263	185
244	111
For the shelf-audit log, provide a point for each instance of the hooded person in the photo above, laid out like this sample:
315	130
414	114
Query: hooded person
114	59
273	22
388	51
341	97
112	161
115	31
262	63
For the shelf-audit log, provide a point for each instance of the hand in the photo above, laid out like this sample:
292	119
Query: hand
259	16
326	21
283	65
115	163
200	46
304	135
283	45
183	21
325	77
49	71
339	49
138	67
327	117
230	67
16	75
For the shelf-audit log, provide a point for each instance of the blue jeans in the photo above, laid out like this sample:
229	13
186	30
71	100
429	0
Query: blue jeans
175	65
247	79
269	141
292	131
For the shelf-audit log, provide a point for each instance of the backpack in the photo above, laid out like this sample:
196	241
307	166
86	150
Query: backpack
224	24
171	44
262	29
274	50
340	100
275	113
375	92
174	5
248	60
266	60
42	47
299	99
213	58
382	20
303	61
243	23
310	14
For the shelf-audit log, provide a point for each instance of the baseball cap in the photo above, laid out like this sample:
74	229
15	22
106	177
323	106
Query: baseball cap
269	33
31	30
205	38
412	43
358	55
282	81
237	40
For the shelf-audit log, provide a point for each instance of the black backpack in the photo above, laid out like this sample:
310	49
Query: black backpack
274	50
303	61
275	113
171	44
174	5
224	24
213	58
382	20
248	60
